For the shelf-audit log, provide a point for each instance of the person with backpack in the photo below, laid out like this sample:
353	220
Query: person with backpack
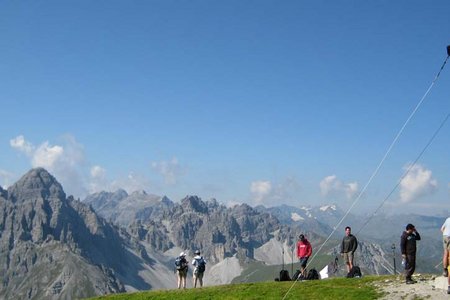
181	268
348	248
200	266
304	251
408	247
446	238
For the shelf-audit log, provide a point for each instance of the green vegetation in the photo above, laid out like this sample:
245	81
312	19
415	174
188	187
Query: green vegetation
335	288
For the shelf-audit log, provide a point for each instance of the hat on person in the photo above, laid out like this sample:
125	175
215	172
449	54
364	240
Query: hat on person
182	254
197	252
409	226
301	237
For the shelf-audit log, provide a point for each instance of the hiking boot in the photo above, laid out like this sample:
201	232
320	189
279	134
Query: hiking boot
448	290
445	274
409	281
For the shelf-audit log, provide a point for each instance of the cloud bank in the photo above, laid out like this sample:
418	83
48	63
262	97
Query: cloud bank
67	162
265	192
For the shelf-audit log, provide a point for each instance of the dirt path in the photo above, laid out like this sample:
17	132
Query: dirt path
427	287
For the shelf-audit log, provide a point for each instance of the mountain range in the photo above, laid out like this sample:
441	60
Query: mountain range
54	246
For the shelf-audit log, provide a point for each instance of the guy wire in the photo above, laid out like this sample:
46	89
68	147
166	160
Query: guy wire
405	173
376	169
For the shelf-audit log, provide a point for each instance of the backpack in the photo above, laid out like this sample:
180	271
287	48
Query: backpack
296	275
355	272
201	265
180	263
284	275
312	274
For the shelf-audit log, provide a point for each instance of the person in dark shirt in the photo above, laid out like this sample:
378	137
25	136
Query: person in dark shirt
409	248
181	269
348	247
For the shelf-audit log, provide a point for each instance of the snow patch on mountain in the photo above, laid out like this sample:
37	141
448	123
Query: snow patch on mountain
328	207
296	217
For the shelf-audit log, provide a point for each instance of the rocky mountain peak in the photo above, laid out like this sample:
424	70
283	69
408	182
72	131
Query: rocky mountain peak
166	200
194	203
139	193
120	193
3	193
36	183
244	209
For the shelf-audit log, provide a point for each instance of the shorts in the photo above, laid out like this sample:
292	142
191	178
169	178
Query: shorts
446	240
198	275
348	257
303	261
182	272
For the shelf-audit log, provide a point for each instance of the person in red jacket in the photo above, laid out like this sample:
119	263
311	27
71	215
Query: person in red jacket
304	251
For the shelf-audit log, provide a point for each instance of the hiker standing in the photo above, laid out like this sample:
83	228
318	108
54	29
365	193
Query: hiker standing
304	251
448	278
348	247
446	238
200	266
181	268
409	248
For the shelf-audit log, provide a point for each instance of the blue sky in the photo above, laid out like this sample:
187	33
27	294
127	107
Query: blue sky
264	102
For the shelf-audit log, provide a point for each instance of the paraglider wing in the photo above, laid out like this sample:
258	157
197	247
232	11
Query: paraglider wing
448	50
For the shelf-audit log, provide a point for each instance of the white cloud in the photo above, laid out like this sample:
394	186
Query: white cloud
351	189
417	183
97	172
169	170
20	144
47	156
131	183
332	186
260	190
6	179
98	181
268	193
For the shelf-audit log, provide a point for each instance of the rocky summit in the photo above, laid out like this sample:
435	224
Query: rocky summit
55	247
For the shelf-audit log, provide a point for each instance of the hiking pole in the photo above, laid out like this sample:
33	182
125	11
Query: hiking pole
393	256
292	264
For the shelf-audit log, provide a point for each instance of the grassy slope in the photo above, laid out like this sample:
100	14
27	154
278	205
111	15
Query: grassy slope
335	288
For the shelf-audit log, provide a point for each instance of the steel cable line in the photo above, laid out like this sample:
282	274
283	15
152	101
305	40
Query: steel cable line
405	173
375	172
